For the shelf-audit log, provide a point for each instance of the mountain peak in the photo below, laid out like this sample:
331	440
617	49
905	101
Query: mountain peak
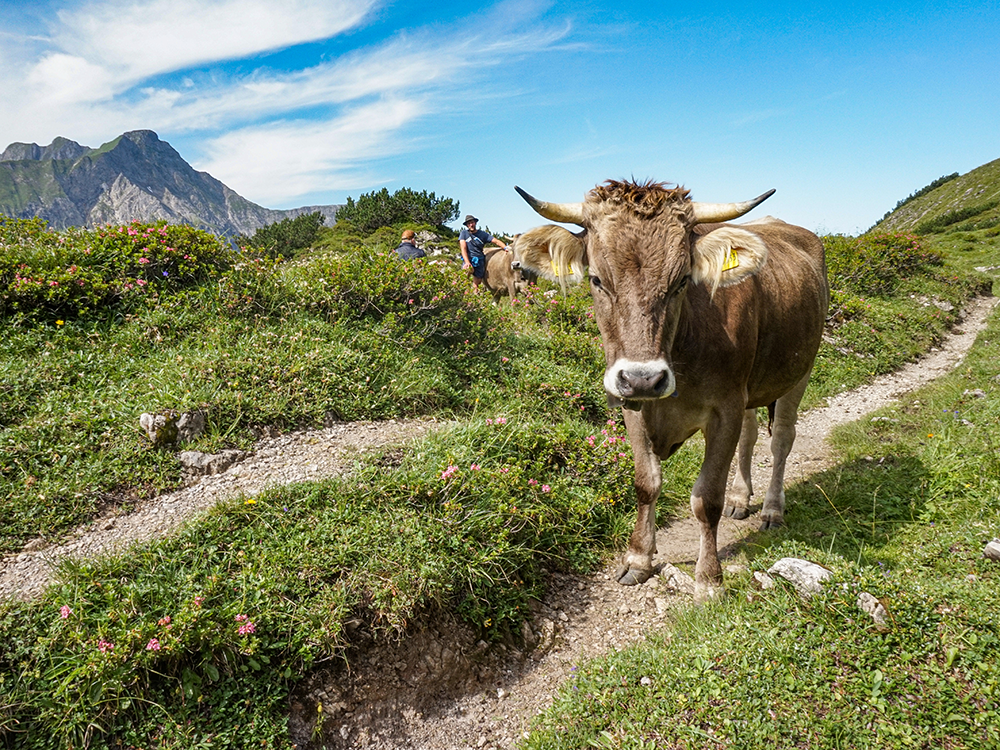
60	148
136	176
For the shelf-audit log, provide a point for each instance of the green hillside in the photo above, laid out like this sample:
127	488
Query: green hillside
966	203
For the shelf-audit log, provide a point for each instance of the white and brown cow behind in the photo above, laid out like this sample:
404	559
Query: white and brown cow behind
702	322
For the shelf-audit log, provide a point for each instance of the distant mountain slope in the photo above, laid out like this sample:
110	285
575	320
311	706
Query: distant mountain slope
134	177
970	201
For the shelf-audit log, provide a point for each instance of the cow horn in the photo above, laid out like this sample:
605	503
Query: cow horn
705	213
568	213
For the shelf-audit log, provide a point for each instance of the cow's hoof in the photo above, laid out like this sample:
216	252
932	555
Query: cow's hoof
739	512
633	576
707	592
768	522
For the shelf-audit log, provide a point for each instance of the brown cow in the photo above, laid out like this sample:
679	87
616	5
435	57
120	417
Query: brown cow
503	274
702	322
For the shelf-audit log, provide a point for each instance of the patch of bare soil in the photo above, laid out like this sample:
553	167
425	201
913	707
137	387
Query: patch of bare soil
440	688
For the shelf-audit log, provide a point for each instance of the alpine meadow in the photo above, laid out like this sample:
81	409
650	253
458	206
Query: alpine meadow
202	638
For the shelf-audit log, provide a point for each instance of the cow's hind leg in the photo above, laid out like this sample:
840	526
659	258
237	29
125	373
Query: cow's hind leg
637	562
738	497
782	436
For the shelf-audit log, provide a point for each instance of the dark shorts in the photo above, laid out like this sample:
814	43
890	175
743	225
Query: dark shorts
478	261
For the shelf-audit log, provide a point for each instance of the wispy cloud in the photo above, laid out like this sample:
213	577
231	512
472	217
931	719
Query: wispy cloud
309	156
135	40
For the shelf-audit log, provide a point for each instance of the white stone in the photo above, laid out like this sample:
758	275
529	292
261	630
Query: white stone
807	577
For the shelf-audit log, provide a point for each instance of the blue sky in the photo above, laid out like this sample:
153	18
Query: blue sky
844	108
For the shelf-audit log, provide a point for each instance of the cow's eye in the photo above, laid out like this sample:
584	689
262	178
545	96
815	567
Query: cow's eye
596	282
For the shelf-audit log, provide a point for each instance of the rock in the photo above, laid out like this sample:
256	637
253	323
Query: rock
975	393
197	463
161	429
167	427
675	579
190	426
805	576
869	604
546	638
763	579
992	550
528	636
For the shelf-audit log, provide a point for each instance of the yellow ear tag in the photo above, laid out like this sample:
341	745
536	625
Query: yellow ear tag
732	260
555	269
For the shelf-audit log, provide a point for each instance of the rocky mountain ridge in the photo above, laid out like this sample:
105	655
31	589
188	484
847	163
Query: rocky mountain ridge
136	176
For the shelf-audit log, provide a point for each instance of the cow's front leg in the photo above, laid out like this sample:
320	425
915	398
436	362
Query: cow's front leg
708	499
637	562
738	497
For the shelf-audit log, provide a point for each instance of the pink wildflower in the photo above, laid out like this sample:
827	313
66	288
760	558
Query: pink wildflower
65	611
197	601
474	467
164	621
153	645
144	260
546	488
247	625
105	647
447	473
532	482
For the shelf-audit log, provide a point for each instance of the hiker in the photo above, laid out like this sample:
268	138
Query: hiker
473	243
408	249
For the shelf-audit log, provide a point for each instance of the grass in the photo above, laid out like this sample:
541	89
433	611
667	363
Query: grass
156	646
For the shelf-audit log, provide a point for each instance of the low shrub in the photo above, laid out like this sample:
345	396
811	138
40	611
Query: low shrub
876	263
83	272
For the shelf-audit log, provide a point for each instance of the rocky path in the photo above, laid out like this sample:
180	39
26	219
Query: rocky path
440	689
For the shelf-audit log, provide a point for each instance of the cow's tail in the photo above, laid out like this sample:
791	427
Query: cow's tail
770	416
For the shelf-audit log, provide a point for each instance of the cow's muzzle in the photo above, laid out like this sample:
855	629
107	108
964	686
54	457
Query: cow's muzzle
638	381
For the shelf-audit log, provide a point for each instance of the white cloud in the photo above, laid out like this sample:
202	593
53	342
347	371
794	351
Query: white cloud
60	79
135	40
275	163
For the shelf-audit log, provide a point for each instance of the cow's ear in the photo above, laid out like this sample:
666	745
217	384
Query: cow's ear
553	252
726	256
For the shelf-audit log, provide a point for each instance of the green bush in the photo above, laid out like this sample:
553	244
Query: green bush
939	223
286	238
380	209
83	272
876	263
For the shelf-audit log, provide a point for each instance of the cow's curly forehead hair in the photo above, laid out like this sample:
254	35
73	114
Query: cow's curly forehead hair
646	199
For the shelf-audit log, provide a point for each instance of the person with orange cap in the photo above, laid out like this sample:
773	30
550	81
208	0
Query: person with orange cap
408	249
